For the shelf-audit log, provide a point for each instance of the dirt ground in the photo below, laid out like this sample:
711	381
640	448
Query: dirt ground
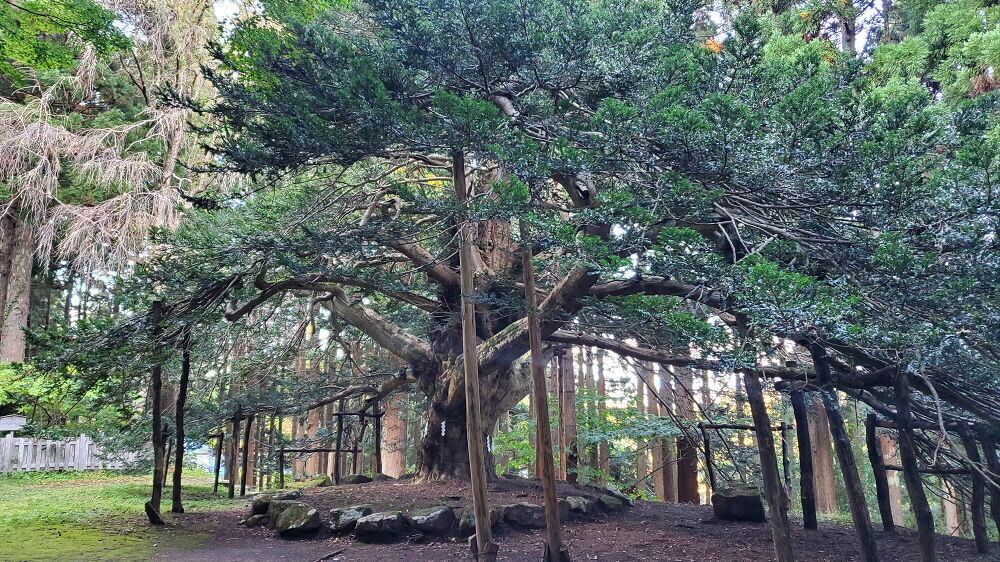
647	531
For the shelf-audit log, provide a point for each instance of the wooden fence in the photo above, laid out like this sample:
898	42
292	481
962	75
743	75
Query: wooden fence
22	454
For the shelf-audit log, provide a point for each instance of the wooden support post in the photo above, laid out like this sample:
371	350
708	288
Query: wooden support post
159	458
554	550
708	458
845	454
993	464
786	462
486	549
246	456
979	529
806	483
603	457
773	492
877	460
281	467
339	446
218	458
232	471
182	391
911	475
378	438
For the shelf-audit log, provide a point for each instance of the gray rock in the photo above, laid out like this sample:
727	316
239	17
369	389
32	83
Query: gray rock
467	520
275	508
525	515
345	518
580	505
563	506
615	492
297	520
318	481
255	520
381	527
260	502
354	479
379	477
435	520
610	503
739	504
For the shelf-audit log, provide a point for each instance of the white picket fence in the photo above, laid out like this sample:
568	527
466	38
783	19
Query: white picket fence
22	454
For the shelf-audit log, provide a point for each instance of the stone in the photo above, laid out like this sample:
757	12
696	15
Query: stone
345	518
615	492
255	520
525	515
739	504
563	507
298	519
381	527
579	505
467	520
276	507
354	479
318	481
260	502
435	520
610	503
380	477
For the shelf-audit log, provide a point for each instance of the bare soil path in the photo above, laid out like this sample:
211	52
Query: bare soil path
647	531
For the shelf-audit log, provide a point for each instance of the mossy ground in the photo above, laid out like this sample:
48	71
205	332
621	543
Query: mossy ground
92	516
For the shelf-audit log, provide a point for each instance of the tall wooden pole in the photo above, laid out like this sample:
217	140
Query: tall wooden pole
773	492
603	456
485	548
246	455
911	475
554	549
845	454
156	391
232	471
806	483
218	458
993	464
979	529
877	460
568	398
175	493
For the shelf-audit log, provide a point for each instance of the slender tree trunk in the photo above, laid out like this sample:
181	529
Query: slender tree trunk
175	492
17	306
911	475
569	415
593	452
7	235
394	444
845	453
806	479
159	458
824	479
656	446
669	444
890	455
603	453
993	465
877	460
773	491
979	530
949	509
687	446
642	463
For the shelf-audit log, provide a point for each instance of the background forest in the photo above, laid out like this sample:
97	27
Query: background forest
739	215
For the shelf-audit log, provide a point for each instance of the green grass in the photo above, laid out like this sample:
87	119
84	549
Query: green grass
92	516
